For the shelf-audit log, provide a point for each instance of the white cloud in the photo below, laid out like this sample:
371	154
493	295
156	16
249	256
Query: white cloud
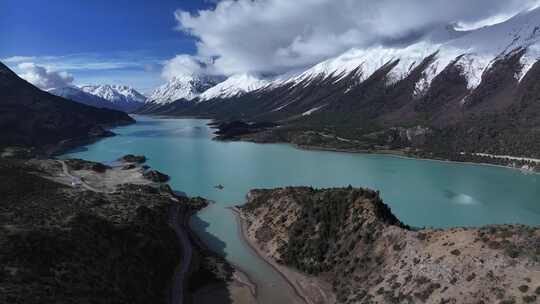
136	68
17	59
466	26
277	35
44	78
183	65
88	61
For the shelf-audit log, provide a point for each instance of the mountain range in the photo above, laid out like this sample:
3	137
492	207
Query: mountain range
452	92
116	97
184	87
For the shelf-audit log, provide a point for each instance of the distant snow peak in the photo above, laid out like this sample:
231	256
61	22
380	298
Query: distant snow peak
122	98
80	96
186	87
234	86
115	93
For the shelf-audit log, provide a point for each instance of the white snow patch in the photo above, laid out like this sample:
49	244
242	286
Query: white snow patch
309	112
282	107
186	87
235	85
528	60
368	61
115	93
473	67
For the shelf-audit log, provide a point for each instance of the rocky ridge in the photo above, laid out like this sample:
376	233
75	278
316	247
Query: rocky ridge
349	238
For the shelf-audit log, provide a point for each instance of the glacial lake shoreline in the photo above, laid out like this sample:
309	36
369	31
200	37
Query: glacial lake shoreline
422	193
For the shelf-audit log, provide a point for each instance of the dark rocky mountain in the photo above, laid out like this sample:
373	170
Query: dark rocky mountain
31	117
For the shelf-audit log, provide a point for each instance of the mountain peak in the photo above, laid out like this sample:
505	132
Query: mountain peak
234	86
115	93
186	87
115	97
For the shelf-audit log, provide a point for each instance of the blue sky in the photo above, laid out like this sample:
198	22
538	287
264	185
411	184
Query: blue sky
96	41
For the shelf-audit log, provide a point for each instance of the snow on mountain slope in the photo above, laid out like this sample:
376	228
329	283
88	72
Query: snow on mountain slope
186	87
472	51
67	91
80	96
479	48
521	30
364	62
114	97
115	93
234	86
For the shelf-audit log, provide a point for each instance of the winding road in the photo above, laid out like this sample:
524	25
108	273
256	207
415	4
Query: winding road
177	222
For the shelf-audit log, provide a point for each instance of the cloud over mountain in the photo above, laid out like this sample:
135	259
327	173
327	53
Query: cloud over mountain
44	78
184	65
278	35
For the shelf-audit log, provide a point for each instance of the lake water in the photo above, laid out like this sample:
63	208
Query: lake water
420	192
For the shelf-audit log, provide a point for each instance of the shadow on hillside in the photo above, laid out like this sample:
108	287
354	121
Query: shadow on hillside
204	286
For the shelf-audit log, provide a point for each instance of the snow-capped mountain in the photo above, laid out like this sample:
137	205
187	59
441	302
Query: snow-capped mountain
465	62
80	96
473	51
186	87
234	86
114	97
123	97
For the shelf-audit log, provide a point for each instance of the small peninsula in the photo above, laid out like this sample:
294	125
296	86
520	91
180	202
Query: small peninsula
344	245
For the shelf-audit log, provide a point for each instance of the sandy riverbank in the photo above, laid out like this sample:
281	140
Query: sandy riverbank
309	290
233	292
240	290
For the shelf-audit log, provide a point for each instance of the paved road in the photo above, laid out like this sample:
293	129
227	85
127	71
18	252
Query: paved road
177	222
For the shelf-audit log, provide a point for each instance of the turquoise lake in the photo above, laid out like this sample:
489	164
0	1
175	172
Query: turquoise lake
421	193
